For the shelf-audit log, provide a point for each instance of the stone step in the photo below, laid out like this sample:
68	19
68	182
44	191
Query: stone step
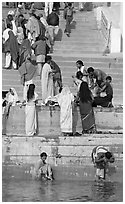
75	161
74	52
67	75
87	58
83	42
112	66
87	35
78	49
49	124
72	146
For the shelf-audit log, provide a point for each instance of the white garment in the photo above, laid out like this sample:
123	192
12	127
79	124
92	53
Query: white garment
8	59
47	82
12	98
43	20
5	34
99	149
65	99
48	8
14	28
31	122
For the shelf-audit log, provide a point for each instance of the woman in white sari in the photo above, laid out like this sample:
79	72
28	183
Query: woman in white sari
47	80
65	99
30	111
12	97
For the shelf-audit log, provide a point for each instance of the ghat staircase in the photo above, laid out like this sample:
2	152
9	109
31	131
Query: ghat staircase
86	44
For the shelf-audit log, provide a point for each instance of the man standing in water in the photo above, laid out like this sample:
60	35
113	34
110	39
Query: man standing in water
101	157
42	169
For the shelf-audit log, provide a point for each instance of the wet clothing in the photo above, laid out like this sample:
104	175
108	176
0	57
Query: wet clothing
100	161
43	170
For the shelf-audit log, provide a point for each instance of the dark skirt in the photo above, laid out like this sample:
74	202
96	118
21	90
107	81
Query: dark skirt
87	116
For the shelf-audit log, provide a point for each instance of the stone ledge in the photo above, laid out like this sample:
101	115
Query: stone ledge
62	150
110	120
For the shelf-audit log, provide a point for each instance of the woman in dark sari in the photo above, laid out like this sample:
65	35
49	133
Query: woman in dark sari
86	110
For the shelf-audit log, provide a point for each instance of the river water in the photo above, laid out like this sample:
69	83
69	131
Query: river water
17	187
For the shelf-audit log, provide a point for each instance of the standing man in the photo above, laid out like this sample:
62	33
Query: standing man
68	15
53	27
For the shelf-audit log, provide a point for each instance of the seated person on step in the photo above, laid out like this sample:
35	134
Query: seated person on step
101	157
107	92
98	76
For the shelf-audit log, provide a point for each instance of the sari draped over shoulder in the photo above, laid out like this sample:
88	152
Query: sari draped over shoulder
86	109
65	99
31	122
87	116
33	26
47	82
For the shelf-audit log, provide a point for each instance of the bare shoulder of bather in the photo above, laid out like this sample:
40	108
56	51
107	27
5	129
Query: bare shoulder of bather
100	158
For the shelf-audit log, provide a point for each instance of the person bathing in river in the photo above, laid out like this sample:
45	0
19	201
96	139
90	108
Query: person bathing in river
101	157
42	169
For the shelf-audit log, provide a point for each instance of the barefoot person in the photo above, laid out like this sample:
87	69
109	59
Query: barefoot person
30	111
100	158
86	109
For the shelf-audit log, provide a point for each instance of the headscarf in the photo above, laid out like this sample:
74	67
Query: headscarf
65	90
12	98
85	93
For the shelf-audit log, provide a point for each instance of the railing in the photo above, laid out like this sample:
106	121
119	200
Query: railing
104	25
106	31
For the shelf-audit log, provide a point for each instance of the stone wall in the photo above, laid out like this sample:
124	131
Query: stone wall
107	119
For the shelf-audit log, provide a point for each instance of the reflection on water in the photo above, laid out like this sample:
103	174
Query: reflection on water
29	190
